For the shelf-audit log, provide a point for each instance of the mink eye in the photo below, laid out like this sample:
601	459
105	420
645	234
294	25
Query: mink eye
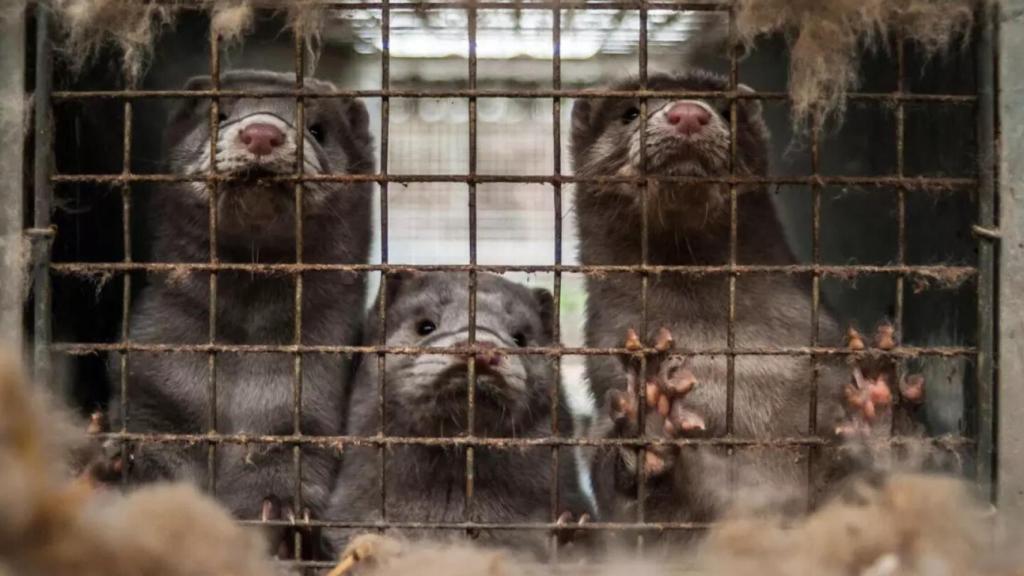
222	117
425	327
520	339
632	113
317	131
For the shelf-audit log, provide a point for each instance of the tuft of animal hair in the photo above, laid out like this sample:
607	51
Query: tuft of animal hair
825	38
231	21
88	26
133	27
53	524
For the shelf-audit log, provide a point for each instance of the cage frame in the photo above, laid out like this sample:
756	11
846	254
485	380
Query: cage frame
999	273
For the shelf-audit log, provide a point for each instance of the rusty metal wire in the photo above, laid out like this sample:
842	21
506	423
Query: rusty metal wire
885	97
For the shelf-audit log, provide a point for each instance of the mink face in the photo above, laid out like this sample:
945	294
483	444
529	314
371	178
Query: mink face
428	393
254	393
684	138
257	138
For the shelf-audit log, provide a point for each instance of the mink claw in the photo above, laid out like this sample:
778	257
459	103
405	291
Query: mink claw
879	392
652	394
97	423
912	388
885	336
623	410
854	341
656	462
567	535
663	342
270	509
676	377
683	421
633	343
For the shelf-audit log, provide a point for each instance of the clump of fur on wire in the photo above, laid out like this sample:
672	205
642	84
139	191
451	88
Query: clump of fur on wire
825	36
133	26
54	523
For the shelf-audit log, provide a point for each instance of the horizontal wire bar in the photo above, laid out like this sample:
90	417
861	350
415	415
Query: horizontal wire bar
407	525
75	348
893	97
951	274
542	442
906	182
419	5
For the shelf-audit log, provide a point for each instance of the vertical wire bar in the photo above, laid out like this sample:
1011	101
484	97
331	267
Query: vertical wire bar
901	216
300	145
42	238
812	416
126	292
471	364
730	382
989	140
213	187
556	130
641	451
385	110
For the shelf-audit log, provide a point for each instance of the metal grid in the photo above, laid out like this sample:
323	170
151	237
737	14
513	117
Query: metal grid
42	235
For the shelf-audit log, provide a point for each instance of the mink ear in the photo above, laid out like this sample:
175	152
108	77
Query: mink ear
582	109
358	119
546	302
395	283
197	83
181	114
753	105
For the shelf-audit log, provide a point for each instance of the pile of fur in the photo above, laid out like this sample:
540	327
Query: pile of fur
54	525
901	525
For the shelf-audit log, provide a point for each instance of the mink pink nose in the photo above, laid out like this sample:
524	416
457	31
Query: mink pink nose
688	117
487	355
261	139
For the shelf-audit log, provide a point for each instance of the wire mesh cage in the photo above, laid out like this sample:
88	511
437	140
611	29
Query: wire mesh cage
887	216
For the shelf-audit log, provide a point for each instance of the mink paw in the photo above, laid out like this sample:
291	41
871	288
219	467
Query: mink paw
104	464
566	532
292	542
868	395
666	382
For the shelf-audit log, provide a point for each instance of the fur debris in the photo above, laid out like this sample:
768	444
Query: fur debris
826	36
133	26
899	525
51	524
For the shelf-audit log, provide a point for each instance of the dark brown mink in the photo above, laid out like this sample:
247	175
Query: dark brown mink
688	224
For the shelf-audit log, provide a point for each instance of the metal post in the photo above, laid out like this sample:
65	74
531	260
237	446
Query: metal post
41	234
987	127
1010	427
12	141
